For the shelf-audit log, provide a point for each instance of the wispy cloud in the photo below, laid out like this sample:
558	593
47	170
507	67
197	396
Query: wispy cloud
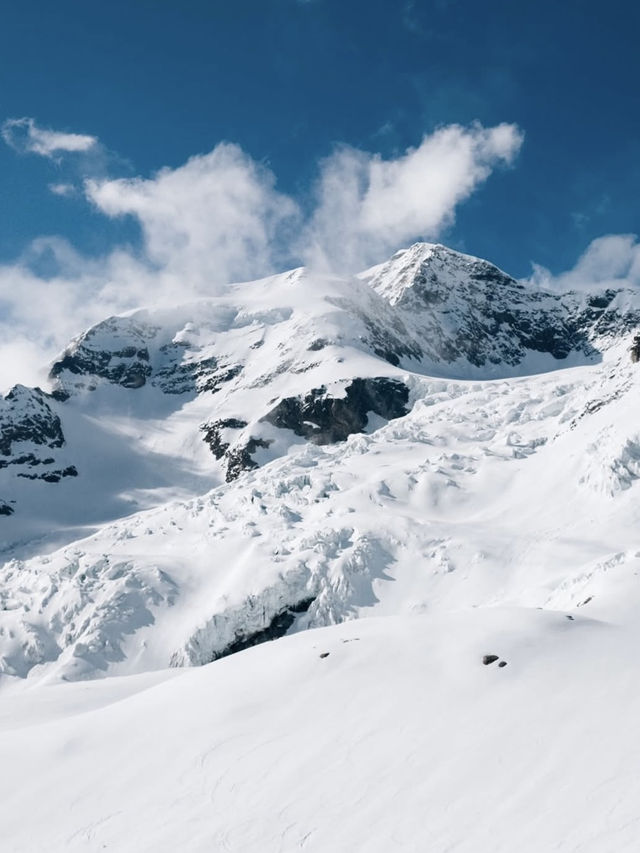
367	206
609	261
63	189
214	220
23	135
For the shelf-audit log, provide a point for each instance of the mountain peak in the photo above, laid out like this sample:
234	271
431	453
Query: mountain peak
243	417
424	272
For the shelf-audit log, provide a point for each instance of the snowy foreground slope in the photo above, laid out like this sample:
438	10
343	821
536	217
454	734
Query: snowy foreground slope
432	444
399	739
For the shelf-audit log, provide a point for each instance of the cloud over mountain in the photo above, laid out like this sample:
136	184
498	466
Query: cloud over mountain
609	261
367	206
218	218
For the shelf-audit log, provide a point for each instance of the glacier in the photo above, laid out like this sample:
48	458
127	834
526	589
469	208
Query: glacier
408	469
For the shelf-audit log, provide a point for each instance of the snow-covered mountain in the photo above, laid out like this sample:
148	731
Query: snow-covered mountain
426	440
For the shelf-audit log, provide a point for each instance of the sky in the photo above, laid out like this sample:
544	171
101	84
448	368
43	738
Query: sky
150	145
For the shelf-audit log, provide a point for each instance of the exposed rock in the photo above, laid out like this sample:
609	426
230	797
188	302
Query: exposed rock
324	654
318	344
6	509
115	350
241	458
183	372
219	437
27	459
635	349
52	476
177	376
460	307
215	380
276	628
25	416
502	663
213	434
323	419
487	659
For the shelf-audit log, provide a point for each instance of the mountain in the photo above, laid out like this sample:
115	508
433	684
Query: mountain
430	462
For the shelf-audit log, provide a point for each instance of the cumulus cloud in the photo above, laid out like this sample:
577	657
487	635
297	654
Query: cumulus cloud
609	261
368	206
23	135
219	218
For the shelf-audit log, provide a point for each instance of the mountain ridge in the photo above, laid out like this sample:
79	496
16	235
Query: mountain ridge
219	491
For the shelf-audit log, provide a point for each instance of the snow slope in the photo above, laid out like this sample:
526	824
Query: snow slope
430	458
399	739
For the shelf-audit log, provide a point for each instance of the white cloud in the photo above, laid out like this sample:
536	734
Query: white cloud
609	261
23	135
63	189
216	219
219	218
368	206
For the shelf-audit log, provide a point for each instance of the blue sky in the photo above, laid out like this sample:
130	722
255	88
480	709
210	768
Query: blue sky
158	81
155	82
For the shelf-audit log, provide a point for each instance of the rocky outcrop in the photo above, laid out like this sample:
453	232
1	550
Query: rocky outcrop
277	627
181	371
128	352
225	444
324	419
319	416
241	457
218	433
27	422
463	308
51	476
30	430
114	350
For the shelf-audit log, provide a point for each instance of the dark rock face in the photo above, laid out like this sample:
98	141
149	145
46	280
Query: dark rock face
25	416
318	417
213	434
128	366
218	435
52	476
176	376
635	350
241	458
27	459
323	419
499	322
6	509
459	307
126	352
487	659
277	628
181	373
29	430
